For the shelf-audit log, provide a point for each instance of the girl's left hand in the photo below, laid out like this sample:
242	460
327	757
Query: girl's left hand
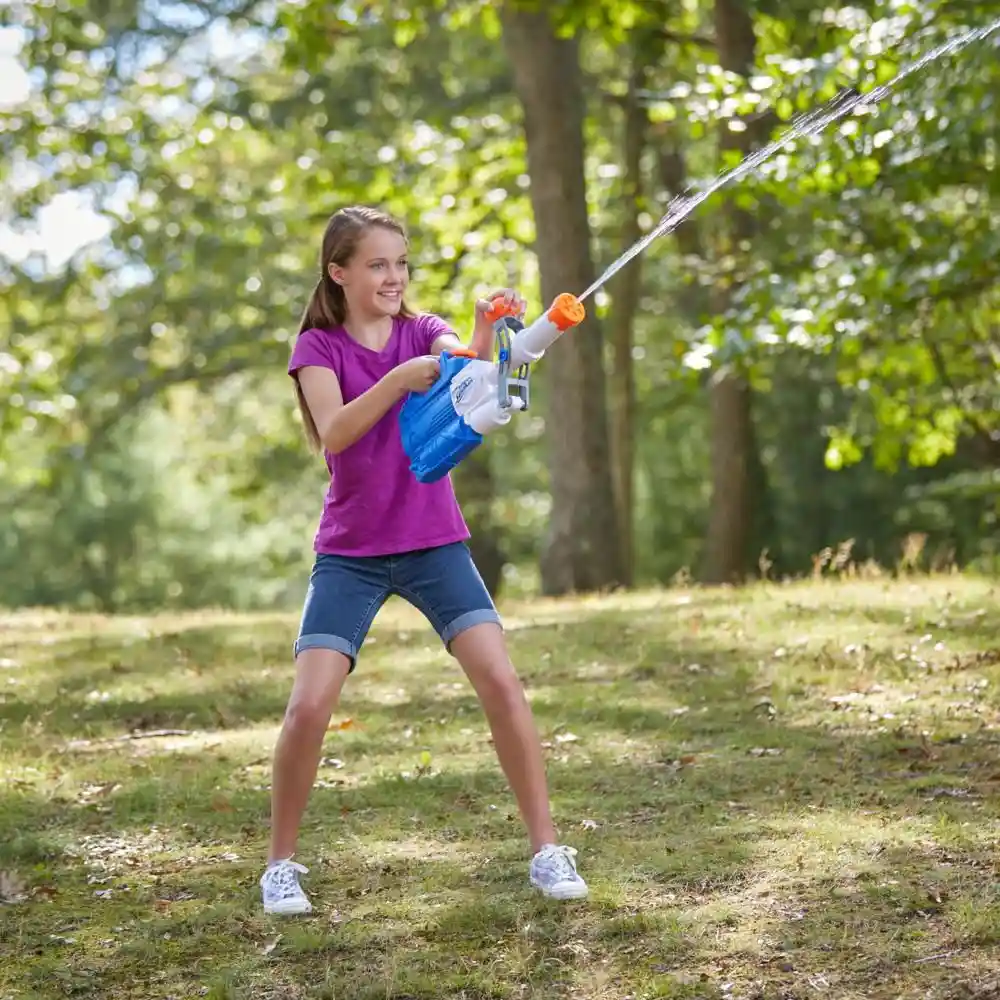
510	297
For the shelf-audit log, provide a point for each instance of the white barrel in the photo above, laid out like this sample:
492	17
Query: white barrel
534	340
474	395
529	344
489	414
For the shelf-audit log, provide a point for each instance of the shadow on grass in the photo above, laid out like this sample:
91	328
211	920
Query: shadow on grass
979	626
592	676
725	842
228	689
673	851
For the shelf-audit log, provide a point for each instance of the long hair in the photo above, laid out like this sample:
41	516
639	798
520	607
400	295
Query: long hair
327	307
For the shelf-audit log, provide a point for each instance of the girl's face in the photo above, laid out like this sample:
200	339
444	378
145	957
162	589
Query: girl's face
376	277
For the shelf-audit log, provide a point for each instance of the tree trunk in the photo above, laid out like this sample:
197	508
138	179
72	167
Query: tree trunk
625	292
693	300
730	519
582	550
729	515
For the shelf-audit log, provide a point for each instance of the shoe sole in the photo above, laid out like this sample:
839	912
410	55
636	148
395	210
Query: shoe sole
570	892
294	910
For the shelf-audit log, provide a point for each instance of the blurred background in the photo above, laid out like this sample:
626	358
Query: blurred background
802	378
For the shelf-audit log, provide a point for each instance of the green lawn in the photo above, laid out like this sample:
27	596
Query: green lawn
782	792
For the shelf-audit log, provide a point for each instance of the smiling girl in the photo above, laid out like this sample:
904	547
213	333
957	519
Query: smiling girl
360	350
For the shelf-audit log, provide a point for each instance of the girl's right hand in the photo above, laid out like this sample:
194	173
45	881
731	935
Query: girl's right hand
417	374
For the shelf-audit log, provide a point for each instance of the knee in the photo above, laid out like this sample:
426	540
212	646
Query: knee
305	716
501	690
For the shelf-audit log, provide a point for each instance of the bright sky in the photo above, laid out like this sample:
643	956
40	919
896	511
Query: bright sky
67	223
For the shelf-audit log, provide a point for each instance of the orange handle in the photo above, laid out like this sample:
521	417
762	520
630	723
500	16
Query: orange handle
462	352
500	308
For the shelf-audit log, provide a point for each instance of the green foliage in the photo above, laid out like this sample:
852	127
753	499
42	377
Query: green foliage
145	405
159	518
896	278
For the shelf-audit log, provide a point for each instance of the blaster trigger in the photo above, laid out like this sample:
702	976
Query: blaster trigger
475	396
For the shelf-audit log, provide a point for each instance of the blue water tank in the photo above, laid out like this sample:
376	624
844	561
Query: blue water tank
435	437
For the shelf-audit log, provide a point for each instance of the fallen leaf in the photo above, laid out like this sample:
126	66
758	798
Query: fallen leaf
986	989
270	946
844	891
139	733
950	793
11	887
90	793
688	978
566	738
343	724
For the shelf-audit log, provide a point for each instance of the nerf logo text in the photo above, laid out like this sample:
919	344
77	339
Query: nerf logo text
461	389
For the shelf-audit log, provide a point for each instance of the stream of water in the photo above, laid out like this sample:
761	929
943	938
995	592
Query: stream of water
811	123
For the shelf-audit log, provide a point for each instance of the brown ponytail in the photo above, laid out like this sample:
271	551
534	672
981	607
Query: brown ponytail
327	306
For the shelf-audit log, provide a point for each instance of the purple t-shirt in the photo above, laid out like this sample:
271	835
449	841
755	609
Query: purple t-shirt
375	505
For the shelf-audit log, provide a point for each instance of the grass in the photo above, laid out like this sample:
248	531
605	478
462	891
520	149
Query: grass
784	792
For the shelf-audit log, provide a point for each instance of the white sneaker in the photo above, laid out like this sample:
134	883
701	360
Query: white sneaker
281	890
553	870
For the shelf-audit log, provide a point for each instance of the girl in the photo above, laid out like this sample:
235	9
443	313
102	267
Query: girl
360	350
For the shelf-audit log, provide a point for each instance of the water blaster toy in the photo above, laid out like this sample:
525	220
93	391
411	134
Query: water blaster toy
473	396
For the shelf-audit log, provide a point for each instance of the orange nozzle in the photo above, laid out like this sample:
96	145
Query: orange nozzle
500	308
566	311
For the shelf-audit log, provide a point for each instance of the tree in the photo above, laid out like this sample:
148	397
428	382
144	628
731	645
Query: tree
582	550
146	404
734	457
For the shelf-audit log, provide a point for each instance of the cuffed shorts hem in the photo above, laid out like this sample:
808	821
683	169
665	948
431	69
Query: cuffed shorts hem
346	592
466	621
317	640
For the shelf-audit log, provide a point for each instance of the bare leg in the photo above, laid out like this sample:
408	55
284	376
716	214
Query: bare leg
482	653
318	682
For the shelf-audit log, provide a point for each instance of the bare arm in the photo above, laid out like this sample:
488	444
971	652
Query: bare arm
482	333
481	345
340	424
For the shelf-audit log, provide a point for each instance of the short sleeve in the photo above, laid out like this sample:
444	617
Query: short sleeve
430	328
312	347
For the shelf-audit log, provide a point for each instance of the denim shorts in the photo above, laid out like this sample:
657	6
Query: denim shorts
346	592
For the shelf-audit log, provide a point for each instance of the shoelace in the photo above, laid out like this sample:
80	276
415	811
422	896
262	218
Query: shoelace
282	877
559	859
